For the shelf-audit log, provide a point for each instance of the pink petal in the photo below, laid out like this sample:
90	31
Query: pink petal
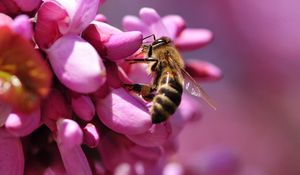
69	134
171	146
77	64
21	125
102	1
173	168
5	20
54	107
120	46
11	154
49	16
4	113
203	70
113	149
107	39
191	39
9	7
53	170
74	160
157	135
22	26
83	107
101	92
100	18
175	24
133	23
150	17
91	135
81	13
123	113
138	73
116	76
27	6
149	153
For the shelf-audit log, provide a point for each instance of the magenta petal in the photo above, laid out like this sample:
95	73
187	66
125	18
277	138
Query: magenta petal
28	6
190	39
83	107
74	160
5	20
4	112
54	107
157	135
81	14
173	168
113	149
21	125
203	70
100	18
91	135
133	23
175	24
149	153
112	43
22	26
150	17
139	73
77	64
49	15
123	113
11	154
122	45
69	134
116	76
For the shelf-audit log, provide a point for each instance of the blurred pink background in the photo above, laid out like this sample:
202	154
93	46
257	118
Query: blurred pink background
257	45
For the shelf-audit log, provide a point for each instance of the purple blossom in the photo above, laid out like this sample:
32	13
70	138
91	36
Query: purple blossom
86	103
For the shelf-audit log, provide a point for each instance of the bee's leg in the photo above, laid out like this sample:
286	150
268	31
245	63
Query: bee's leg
141	60
146	91
149	36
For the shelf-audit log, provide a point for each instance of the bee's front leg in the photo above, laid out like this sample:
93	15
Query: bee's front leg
141	60
146	91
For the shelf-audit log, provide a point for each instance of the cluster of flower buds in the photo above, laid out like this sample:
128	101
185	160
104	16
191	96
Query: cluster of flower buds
63	109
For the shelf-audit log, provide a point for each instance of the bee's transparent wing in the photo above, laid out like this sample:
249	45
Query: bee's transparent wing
193	88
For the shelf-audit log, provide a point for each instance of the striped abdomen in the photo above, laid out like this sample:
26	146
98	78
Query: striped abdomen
167	99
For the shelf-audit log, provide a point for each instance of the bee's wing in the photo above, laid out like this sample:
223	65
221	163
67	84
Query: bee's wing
195	89
191	86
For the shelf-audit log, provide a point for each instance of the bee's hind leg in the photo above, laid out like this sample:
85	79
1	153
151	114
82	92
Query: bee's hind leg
146	91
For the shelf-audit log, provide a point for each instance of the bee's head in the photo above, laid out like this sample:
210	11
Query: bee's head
161	41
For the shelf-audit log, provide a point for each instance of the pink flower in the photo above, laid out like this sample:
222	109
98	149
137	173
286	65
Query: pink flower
77	70
111	42
11	154
83	106
15	7
172	26
85	103
25	77
69	139
123	113
60	17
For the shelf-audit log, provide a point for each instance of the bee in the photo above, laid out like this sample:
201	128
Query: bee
169	78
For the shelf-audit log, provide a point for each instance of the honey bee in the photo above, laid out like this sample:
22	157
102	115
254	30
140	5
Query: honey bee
169	78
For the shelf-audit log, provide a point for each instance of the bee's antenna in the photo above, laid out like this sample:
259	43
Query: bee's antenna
152	35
